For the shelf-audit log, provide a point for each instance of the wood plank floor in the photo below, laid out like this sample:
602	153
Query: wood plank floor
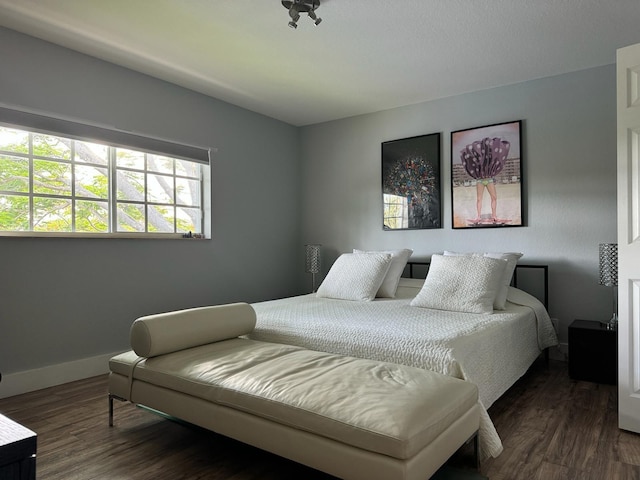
551	428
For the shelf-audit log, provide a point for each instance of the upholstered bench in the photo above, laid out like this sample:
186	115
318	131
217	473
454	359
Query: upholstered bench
350	417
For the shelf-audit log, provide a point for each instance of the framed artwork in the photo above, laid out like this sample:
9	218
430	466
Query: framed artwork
411	195
486	176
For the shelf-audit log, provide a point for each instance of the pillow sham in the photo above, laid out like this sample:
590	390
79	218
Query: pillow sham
399	260
355	277
465	283
512	259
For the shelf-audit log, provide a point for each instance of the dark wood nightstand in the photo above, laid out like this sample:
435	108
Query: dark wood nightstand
17	451
593	352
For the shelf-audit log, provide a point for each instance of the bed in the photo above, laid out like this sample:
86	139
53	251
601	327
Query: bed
491	349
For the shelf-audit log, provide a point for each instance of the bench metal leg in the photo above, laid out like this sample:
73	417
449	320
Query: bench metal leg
476	452
111	397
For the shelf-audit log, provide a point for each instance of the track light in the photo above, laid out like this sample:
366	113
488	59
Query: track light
295	16
296	7
316	19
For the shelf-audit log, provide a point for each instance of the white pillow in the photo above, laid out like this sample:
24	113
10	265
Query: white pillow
512	259
399	260
355	277
466	283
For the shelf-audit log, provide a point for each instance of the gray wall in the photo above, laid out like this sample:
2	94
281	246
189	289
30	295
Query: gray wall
68	299
569	171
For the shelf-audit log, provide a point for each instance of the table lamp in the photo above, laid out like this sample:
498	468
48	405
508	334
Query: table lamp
609	276
312	253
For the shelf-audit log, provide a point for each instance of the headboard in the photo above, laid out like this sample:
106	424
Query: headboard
533	279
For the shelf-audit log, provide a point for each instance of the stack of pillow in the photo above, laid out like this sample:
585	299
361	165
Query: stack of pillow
467	282
365	275
461	282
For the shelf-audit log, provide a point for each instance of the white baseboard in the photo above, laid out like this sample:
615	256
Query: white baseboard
39	378
561	352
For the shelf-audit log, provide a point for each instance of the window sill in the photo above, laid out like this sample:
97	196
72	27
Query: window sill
123	235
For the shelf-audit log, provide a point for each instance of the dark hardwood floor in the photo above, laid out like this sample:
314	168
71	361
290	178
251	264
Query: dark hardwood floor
551	428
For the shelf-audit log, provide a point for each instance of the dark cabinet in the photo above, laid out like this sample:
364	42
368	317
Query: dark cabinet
593	352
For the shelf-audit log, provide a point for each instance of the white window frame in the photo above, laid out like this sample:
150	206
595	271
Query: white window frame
156	147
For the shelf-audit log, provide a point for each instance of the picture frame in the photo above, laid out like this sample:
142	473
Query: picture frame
411	188
486	176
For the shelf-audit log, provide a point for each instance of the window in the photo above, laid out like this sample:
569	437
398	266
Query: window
396	212
60	185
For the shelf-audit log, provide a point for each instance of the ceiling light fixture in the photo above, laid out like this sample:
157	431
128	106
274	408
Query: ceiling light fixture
296	7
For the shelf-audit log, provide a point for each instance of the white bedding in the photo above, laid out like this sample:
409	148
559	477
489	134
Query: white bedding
491	350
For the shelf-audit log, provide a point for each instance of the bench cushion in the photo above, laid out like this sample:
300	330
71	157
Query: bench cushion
172	331
385	408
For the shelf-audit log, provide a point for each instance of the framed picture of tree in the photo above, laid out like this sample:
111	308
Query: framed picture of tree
486	176
411	194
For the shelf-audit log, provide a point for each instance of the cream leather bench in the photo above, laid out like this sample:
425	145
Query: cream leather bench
349	417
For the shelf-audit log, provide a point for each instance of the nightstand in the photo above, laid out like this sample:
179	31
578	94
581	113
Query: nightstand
593	352
17	451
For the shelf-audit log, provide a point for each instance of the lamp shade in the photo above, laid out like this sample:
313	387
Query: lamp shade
312	253
609	264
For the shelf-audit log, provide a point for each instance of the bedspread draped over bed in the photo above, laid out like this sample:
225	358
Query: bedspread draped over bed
491	350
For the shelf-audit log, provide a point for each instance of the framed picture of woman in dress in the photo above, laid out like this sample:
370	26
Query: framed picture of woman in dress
486	176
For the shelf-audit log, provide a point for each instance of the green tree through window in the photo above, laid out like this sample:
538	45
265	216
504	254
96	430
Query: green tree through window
56	184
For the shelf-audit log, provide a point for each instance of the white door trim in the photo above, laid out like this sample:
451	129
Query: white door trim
628	139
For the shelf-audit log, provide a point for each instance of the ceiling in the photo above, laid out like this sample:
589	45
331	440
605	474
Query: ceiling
365	56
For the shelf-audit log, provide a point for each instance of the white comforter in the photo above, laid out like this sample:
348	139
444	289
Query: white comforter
492	351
